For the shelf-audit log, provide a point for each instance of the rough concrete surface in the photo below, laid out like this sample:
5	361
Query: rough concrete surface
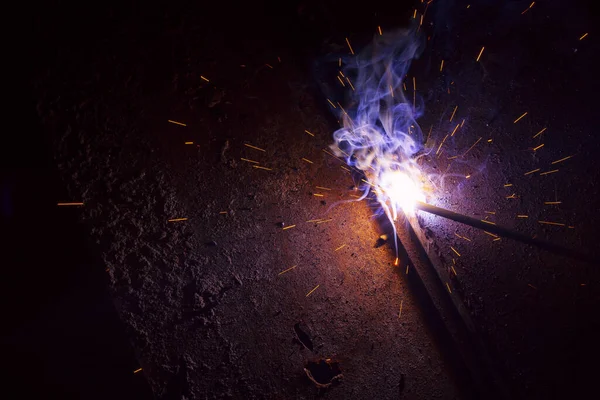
203	300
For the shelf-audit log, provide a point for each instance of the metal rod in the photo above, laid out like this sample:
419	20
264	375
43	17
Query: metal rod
505	232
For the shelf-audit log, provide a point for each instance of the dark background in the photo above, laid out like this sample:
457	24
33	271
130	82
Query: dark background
64	334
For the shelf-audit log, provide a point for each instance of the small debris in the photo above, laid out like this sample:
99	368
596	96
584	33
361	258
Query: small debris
323	373
381	241
303	337
223	150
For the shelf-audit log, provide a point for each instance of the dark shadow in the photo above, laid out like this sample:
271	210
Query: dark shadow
62	335
471	383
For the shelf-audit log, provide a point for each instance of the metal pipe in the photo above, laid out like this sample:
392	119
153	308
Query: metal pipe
505	232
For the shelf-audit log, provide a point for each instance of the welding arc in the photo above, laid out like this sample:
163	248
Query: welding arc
505	232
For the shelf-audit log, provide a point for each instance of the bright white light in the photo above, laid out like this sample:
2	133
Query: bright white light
401	191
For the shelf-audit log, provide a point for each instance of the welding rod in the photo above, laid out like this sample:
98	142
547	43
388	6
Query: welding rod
505	232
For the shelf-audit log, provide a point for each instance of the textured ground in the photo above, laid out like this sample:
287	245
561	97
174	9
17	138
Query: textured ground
202	300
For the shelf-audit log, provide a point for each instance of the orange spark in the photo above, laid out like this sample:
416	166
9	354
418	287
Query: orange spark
549	172
308	161
538	147
454	250
350	83
289	269
440	146
472	147
532	171
480	53
332	155
379	29
561	160
518	119
309	293
259	167
177	219
176	123
137	370
347	41
341	247
527	9
442	66
453	112
288	227
254	147
311	134
250	161
551	223
455	128
584	36
203	78
69	204
321	187
539	133
332	105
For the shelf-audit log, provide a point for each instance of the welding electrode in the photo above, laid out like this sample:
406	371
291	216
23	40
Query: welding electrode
505	232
